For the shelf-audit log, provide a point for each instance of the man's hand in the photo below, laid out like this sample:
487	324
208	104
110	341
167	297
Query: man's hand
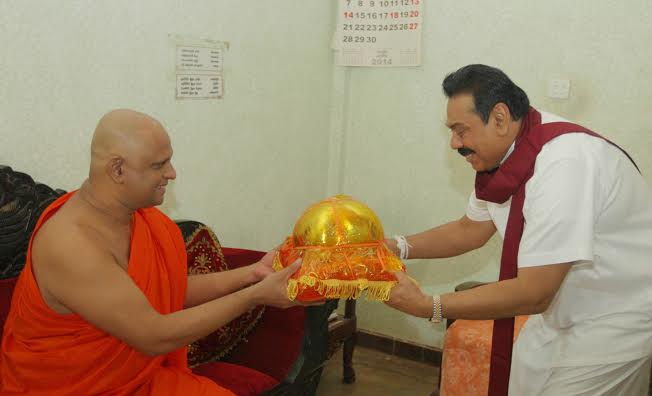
407	297
392	246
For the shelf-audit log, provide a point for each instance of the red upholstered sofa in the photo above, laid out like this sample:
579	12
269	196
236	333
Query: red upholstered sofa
265	351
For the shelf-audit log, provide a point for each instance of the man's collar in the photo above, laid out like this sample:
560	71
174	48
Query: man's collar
509	152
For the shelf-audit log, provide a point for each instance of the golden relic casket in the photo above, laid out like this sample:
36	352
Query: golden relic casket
342	246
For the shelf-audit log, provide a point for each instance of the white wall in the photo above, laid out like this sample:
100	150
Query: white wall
292	127
395	146
245	163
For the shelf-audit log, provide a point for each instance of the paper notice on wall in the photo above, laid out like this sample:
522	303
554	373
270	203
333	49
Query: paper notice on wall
199	68
199	59
199	86
381	33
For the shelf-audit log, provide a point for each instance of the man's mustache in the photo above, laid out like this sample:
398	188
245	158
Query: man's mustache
465	151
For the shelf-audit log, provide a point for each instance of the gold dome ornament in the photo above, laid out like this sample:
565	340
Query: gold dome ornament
342	244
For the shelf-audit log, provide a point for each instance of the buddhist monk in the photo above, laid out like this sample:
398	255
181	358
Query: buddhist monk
104	305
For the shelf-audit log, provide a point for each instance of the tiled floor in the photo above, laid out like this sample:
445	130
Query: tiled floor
378	374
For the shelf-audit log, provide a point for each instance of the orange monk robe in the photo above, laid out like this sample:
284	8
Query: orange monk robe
46	353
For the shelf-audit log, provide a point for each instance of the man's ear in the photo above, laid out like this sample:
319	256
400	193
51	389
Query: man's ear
115	169
501	116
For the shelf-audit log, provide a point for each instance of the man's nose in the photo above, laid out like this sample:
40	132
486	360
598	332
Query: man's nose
456	142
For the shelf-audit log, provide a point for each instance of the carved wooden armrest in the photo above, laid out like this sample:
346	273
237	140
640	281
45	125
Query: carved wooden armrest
469	285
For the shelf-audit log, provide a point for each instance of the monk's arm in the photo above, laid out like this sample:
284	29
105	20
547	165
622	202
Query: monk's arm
448	240
207	287
90	283
531	292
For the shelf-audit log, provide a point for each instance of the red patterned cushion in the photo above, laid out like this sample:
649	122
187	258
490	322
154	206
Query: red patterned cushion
205	256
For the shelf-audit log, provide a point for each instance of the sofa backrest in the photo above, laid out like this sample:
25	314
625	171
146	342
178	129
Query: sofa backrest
22	201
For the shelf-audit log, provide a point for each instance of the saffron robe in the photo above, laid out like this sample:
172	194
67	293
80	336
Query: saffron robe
47	353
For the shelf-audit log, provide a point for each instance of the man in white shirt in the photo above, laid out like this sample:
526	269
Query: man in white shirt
576	217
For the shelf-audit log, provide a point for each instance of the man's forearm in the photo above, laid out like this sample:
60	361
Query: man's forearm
206	287
496	300
438	242
448	240
531	292
492	301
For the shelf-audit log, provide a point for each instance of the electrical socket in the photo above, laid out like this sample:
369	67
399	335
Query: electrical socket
558	88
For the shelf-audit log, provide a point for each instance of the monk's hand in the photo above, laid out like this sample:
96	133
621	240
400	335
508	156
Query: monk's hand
263	268
406	296
273	289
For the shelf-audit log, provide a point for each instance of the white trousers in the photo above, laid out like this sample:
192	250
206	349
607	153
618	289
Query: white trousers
532	374
616	379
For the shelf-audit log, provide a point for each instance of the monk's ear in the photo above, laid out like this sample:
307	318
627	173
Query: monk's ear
500	116
115	169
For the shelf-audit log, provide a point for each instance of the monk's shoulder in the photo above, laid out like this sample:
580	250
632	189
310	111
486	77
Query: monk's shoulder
67	237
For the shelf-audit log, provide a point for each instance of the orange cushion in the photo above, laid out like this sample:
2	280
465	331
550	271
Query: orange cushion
467	352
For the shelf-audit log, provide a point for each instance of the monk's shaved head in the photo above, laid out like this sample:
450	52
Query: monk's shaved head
125	134
130	154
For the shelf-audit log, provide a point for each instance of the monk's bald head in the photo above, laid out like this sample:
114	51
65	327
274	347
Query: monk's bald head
131	155
125	133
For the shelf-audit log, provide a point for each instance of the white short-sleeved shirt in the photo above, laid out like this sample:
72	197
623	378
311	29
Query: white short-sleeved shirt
586	204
